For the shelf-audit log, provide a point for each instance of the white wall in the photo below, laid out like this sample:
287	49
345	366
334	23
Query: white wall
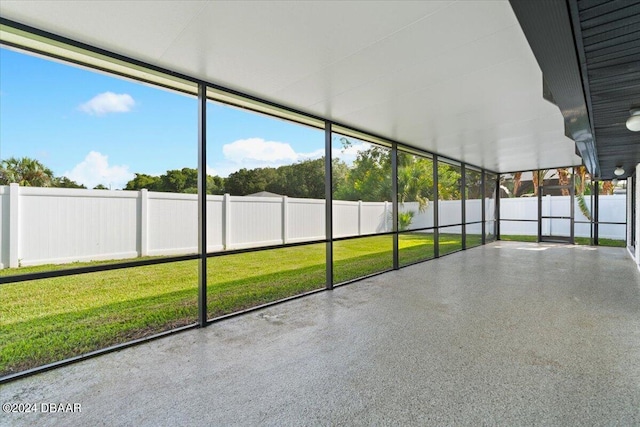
57	225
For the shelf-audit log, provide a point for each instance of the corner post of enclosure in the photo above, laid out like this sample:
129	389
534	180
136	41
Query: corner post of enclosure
595	214
202	204
394	203
540	190
436	230
572	204
497	207
592	204
483	191
463	198
328	224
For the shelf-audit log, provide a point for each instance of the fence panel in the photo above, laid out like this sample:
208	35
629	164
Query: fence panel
54	225
375	217
172	224
59	225
305	220
255	221
420	219
4	226
346	220
215	223
449	212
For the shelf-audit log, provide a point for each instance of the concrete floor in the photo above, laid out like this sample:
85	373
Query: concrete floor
506	334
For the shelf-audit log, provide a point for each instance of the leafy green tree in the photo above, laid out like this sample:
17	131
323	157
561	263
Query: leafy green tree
142	180
64	182
339	174
100	187
415	180
369	179
183	180
26	172
473	180
304	179
215	185
249	181
449	180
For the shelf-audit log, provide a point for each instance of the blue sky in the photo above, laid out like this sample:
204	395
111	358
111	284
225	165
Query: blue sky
99	129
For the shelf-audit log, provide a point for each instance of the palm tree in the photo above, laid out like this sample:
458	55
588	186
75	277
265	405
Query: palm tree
26	172
564	178
517	177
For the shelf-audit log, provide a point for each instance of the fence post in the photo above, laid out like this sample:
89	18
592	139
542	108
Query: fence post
285	219
144	222
14	224
548	231
359	217
226	221
386	216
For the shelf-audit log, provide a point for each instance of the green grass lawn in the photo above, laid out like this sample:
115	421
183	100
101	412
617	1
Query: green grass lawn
578	240
601	242
518	238
47	320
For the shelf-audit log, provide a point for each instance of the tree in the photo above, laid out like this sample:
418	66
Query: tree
183	180
415	180
248	181
564	178
473	180
369	179
100	187
304	179
64	182
142	180
215	184
26	172
449	182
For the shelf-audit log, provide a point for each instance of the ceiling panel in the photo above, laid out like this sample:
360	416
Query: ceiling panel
610	33
457	78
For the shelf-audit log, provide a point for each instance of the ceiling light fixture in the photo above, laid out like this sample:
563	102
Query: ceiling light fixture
633	122
619	171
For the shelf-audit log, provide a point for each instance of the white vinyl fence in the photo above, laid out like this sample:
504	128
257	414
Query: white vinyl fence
58	225
611	209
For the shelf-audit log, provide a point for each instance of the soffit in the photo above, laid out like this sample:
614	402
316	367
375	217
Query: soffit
610	38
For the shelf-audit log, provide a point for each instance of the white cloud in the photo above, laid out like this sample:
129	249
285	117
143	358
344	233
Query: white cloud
108	102
211	171
95	169
350	153
313	155
259	150
256	153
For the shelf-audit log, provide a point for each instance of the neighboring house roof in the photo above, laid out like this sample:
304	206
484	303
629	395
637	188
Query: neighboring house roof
264	194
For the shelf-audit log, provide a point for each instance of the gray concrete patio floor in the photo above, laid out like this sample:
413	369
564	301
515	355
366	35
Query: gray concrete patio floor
506	334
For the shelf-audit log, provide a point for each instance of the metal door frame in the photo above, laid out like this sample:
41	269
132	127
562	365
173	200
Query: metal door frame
571	217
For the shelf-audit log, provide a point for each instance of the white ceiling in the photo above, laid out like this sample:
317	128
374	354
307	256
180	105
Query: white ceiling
452	77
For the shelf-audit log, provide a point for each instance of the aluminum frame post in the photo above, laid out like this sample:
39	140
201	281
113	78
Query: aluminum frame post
328	192
436	225
394	203
202	204
483	207
463	199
